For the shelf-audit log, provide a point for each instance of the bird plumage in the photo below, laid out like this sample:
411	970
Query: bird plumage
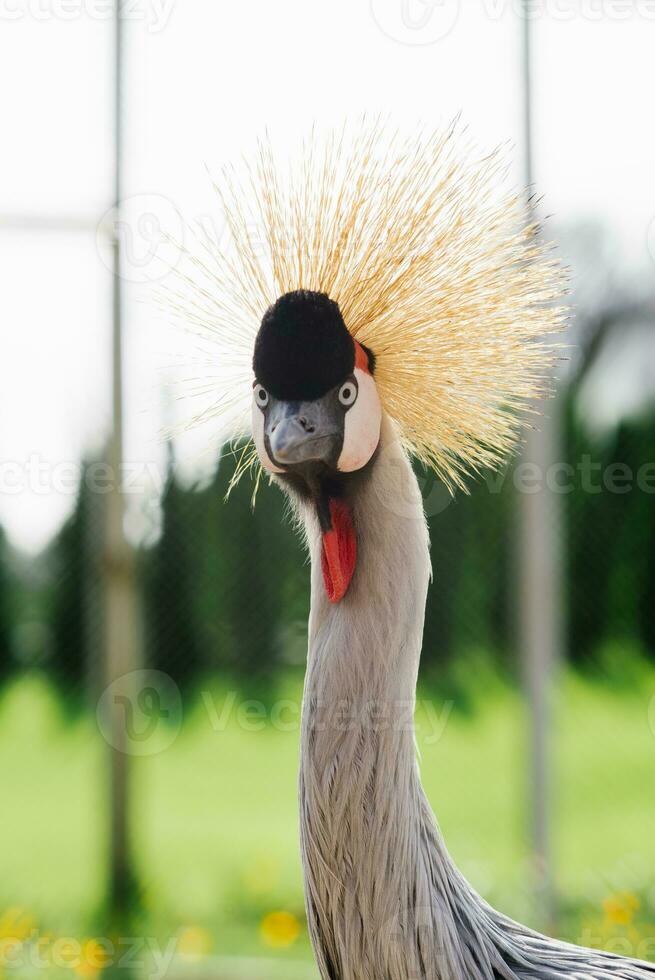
445	280
436	265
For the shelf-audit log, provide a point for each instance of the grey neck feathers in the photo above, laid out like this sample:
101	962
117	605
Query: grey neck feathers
384	900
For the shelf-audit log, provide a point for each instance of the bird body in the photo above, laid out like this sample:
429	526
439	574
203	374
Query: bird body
399	305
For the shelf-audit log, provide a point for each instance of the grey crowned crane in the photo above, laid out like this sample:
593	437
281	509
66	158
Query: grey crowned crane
383	298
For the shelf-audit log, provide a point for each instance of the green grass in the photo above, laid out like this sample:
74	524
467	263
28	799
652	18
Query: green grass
215	813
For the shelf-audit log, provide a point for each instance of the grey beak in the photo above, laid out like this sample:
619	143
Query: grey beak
303	432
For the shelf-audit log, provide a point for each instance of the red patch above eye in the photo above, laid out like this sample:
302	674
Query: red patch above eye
361	358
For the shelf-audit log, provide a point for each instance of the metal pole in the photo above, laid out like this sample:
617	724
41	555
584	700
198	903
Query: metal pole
539	568
121	643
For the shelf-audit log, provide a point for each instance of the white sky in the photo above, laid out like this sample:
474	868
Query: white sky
202	83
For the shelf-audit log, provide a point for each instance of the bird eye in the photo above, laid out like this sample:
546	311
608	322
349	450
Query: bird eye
261	396
348	393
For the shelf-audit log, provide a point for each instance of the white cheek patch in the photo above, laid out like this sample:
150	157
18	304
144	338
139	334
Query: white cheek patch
258	438
361	433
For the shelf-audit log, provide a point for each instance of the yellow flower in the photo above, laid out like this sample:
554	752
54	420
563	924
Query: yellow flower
279	929
193	943
16	923
620	908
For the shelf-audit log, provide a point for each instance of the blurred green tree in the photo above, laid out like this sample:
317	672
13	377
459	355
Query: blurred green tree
610	520
259	557
173	643
222	583
6	659
72	572
467	607
591	527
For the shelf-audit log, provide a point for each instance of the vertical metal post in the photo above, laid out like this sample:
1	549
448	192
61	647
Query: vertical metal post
539	569
121	642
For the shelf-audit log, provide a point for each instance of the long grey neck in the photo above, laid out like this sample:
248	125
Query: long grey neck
359	788
368	645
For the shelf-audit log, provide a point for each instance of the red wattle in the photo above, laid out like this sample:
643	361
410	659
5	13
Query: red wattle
339	553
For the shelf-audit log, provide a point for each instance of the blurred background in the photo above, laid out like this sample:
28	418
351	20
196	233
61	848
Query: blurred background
149	825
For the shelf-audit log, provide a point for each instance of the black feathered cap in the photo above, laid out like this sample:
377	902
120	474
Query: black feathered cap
303	348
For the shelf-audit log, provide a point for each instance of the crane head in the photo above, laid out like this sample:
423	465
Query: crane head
316	415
